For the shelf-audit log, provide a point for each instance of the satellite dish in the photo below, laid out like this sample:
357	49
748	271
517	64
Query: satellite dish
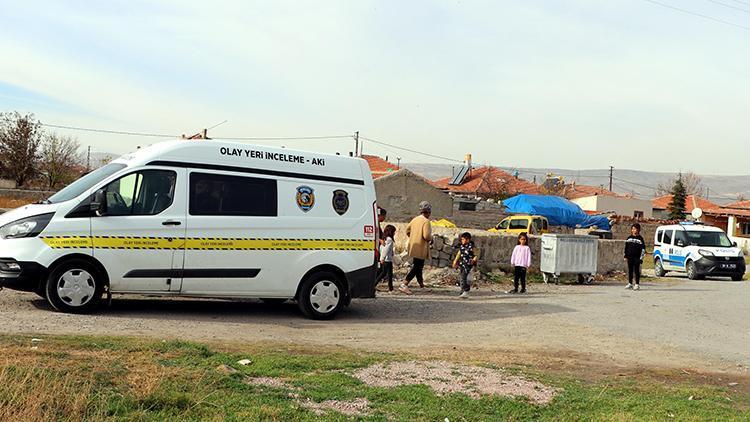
697	213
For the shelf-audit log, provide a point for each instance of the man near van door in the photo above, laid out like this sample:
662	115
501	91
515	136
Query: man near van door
419	232
635	250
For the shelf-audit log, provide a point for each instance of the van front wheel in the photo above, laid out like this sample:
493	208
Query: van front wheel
74	287
692	271
321	296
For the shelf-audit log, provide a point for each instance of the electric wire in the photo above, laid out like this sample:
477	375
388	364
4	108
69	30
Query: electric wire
700	15
729	6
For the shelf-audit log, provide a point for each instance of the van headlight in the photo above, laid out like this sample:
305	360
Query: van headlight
704	252
26	227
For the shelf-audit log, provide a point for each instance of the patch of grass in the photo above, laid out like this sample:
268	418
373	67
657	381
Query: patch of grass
73	378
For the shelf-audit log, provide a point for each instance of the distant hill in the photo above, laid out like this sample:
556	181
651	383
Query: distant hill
721	189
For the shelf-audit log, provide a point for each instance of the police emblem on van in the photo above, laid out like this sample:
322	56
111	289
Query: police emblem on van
340	201
305	198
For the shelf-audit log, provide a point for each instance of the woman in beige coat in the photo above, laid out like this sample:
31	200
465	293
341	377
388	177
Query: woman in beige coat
419	231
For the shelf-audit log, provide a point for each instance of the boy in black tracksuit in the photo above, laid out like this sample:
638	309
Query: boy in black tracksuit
635	250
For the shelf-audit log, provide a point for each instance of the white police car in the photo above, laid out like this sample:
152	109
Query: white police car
697	250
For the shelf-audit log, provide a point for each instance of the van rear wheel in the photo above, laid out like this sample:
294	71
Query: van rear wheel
74	286
321	296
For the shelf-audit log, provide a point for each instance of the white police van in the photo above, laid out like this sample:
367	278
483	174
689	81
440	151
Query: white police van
202	219
698	251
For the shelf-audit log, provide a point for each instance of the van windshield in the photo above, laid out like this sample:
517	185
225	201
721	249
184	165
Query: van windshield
85	183
717	239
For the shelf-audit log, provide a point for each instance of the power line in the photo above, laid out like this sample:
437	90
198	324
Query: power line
741	2
700	15
113	132
426	154
729	6
282	138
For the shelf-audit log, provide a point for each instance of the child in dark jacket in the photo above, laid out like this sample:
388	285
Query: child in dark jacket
465	260
635	250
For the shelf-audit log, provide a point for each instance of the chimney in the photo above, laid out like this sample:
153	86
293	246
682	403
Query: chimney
468	160
386	158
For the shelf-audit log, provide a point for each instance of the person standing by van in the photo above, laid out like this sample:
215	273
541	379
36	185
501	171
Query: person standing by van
635	250
419	232
386	256
520	259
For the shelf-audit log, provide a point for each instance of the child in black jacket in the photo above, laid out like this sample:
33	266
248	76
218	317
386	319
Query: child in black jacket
635	250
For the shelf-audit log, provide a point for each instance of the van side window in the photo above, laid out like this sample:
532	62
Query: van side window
681	236
503	225
218	194
519	224
147	192
658	236
667	239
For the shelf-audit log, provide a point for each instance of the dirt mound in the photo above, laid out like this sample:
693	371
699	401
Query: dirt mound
446	378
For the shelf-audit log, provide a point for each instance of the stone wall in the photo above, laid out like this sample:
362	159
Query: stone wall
495	249
401	192
34	195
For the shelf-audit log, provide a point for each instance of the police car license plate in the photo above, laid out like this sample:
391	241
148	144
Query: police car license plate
729	266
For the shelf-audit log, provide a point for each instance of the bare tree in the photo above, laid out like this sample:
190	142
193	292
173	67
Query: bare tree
20	136
59	160
692	182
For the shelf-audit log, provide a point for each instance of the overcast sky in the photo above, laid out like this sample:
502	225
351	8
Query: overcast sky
560	83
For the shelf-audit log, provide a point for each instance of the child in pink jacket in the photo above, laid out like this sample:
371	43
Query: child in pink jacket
521	261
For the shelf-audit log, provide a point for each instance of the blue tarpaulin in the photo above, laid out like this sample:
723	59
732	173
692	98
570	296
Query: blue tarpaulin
559	211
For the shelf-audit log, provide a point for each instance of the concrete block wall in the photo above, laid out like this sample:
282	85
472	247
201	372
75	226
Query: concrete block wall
495	249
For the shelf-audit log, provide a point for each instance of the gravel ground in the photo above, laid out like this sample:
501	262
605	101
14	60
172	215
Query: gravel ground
672	323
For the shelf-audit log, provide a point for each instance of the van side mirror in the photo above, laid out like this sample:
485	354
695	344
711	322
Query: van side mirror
99	203
734	244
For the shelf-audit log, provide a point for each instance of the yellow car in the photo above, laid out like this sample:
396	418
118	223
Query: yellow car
531	224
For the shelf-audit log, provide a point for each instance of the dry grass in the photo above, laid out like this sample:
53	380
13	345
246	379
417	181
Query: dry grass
49	380
32	394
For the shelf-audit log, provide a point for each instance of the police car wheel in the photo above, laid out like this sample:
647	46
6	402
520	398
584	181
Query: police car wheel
692	272
74	287
659	268
321	296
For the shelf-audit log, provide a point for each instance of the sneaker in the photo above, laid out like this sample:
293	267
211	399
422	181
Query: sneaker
464	295
629	286
637	287
512	291
523	291
404	289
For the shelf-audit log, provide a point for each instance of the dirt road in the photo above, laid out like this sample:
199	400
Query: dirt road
674	323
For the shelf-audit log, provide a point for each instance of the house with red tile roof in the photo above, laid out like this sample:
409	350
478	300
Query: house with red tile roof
598	200
490	182
745	205
660	205
379	167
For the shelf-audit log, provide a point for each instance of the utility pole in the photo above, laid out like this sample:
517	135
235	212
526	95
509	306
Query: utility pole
88	160
356	144
611	171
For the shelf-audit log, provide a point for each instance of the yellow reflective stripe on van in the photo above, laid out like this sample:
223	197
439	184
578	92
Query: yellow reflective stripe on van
206	243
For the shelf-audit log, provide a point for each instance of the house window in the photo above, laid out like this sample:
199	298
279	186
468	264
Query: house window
467	206
745	229
638	214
